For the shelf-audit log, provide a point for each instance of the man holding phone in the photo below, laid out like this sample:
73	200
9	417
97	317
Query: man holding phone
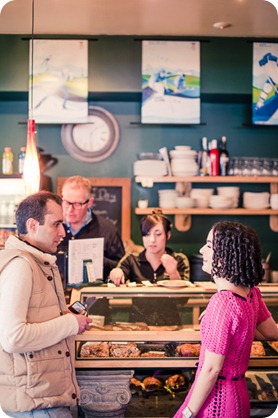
36	328
78	308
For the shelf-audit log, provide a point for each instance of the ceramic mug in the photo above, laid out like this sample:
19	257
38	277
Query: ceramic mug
143	203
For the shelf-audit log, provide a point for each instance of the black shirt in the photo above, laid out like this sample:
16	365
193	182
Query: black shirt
137	268
154	310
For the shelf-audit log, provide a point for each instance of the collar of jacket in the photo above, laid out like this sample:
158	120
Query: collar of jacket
14	243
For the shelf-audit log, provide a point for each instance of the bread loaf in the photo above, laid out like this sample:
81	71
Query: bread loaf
92	349
257	349
152	383
188	350
274	344
153	354
124	350
175	381
136	385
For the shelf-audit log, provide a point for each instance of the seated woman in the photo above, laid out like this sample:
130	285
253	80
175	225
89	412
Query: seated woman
156	262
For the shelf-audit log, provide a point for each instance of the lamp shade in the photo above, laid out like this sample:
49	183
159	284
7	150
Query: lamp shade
31	169
2	4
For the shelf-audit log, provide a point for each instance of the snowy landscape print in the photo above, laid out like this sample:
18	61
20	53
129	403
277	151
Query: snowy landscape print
60	81
170	82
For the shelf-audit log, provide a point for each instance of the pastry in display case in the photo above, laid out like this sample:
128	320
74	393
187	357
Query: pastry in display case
168	391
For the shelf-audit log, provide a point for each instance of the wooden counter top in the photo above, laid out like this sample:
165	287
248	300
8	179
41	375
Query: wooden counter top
200	289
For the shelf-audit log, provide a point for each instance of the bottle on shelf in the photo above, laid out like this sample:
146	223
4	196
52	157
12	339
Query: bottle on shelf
224	158
214	158
21	159
7	161
204	159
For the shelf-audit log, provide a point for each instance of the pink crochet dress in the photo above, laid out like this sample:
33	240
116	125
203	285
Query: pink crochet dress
228	328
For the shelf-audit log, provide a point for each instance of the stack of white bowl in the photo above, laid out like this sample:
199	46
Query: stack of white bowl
256	200
220	202
167	198
183	161
201	197
231	192
274	201
185	202
151	168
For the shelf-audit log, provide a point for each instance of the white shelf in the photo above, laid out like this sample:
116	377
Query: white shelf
210	179
208	211
183	216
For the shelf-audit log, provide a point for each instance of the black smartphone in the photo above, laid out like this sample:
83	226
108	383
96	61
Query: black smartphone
78	308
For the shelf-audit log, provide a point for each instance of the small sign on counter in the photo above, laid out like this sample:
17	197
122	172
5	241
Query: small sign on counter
85	249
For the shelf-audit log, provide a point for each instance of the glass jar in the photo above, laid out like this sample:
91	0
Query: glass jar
21	159
7	161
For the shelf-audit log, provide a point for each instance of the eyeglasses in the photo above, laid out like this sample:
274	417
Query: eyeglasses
75	205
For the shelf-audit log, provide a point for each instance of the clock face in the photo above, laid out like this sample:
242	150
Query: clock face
93	141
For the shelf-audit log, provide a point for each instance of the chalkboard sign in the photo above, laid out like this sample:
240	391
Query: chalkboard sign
106	203
111	200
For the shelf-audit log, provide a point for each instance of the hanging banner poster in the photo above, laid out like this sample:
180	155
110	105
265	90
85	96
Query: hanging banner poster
265	84
58	81
170	82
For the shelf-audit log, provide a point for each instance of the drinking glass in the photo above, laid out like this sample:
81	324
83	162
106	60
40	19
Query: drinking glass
274	168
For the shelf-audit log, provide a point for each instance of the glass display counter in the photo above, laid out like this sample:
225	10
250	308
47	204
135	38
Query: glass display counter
119	352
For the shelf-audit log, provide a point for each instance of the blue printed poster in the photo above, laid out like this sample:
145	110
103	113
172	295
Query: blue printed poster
170	82
265	84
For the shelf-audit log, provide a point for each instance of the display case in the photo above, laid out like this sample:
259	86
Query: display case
157	353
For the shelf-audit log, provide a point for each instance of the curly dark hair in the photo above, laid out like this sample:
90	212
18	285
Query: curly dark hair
149	221
236	254
34	206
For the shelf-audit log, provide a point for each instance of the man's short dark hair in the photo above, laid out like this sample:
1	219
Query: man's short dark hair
34	206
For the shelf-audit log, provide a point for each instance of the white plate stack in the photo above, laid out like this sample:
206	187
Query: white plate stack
220	202
201	197
167	198
183	161
149	168
256	200
231	192
274	201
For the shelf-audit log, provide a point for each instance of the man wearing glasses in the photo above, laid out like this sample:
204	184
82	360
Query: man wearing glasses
81	222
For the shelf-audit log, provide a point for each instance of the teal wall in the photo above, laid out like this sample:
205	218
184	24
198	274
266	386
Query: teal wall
114	83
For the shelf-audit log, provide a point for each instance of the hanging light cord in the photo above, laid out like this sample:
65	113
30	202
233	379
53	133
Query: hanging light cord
32	59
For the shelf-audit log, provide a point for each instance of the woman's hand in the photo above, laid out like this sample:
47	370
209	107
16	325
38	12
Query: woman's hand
117	276
170	265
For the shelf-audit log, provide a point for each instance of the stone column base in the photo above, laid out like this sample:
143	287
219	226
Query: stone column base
104	393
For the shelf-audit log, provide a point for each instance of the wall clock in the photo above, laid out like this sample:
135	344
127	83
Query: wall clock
95	140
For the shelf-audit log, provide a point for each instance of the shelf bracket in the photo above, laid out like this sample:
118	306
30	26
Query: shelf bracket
273	223
273	219
183	222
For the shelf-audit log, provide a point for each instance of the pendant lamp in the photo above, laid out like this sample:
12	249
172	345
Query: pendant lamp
2	4
31	169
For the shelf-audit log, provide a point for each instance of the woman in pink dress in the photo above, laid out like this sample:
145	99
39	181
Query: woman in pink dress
235	315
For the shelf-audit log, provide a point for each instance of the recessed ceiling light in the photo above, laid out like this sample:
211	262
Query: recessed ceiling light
221	25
